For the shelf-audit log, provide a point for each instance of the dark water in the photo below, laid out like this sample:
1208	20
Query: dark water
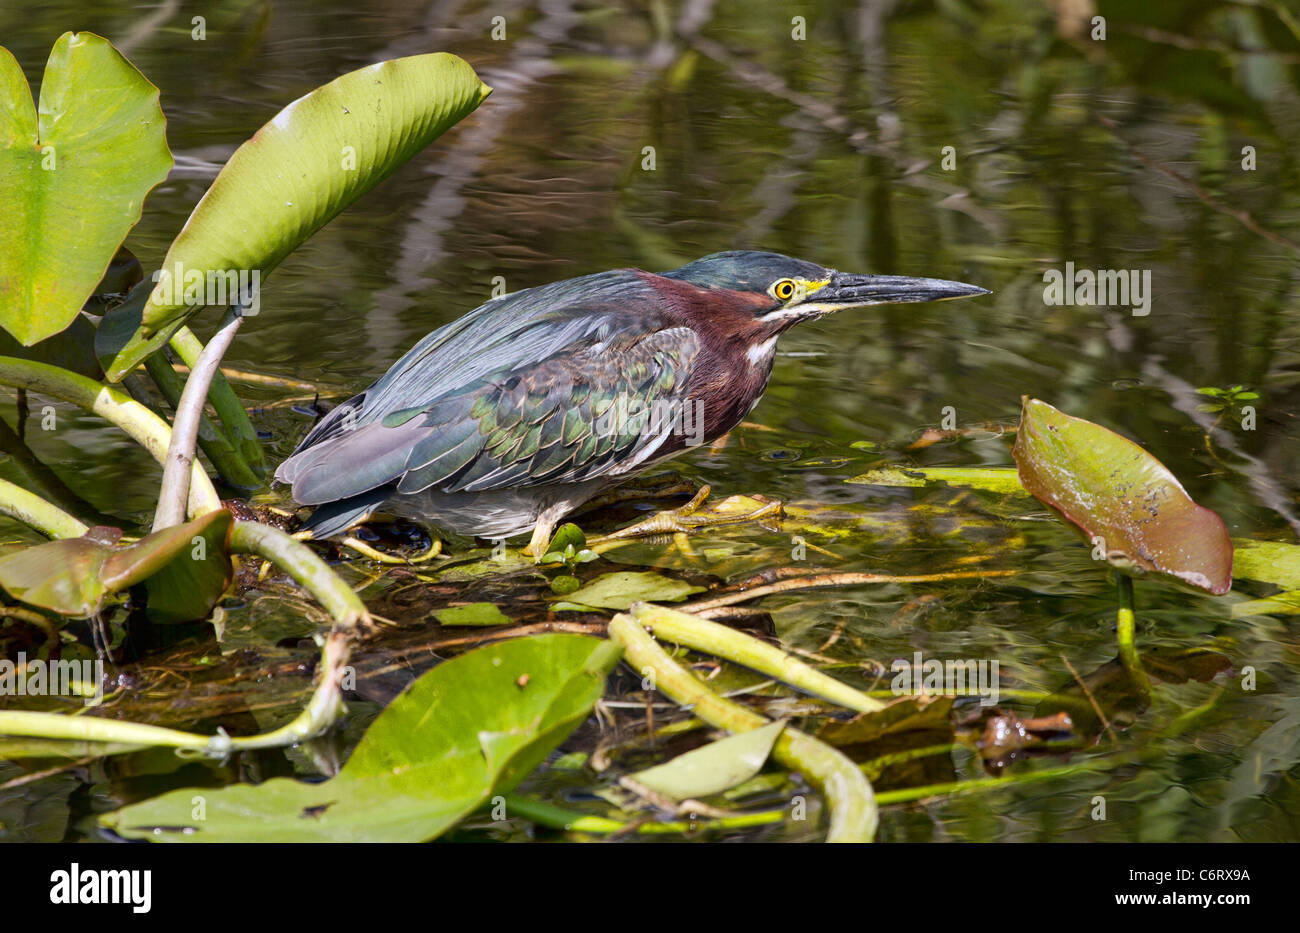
829	148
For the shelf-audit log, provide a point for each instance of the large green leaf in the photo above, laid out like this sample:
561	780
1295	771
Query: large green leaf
1114	490
472	727
73	348
185	567
73	177
62	576
317	156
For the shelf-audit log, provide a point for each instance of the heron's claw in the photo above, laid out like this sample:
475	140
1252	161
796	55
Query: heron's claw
688	518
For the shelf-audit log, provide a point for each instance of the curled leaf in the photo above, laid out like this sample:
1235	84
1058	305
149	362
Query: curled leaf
1122	498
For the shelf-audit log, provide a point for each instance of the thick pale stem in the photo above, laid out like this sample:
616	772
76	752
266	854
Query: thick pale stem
32	510
179	464
225	457
682	628
94	729
113	405
849	798
350	620
305	567
239	430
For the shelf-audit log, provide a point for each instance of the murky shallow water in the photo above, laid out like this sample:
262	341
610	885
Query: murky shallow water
832	149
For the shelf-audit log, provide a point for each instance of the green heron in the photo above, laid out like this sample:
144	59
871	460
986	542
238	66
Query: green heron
534	403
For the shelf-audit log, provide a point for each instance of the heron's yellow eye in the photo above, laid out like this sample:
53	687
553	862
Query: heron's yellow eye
783	289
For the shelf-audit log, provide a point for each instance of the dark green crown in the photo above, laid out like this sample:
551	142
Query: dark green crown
746	270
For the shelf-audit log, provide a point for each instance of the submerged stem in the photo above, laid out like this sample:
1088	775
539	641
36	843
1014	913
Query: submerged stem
1126	624
849	798
838	579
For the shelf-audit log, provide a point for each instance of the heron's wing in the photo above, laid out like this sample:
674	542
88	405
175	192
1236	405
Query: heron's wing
604	396
498	336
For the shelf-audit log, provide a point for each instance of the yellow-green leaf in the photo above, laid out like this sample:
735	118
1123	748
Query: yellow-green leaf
73	177
1122	498
296	173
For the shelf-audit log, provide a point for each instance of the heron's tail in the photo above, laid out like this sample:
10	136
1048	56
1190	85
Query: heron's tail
334	518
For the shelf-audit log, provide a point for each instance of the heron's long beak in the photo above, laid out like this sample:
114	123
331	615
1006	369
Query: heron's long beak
847	290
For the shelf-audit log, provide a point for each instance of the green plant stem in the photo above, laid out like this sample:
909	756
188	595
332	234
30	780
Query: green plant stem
95	729
228	461
545	814
35	512
849	799
350	621
113	405
979	785
239	430
305	567
682	628
321	711
875	767
1126	624
178	467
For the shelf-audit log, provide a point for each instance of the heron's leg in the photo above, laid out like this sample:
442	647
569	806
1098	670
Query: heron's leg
543	530
686	518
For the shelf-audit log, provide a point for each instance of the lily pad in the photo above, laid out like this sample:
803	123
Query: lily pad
188	586
74	173
569	535
185	568
622	588
713	768
471	728
1115	491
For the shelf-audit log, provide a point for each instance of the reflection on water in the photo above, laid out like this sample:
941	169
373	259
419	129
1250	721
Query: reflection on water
1168	149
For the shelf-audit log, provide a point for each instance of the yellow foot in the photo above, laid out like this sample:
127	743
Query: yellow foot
365	550
685	519
543	531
